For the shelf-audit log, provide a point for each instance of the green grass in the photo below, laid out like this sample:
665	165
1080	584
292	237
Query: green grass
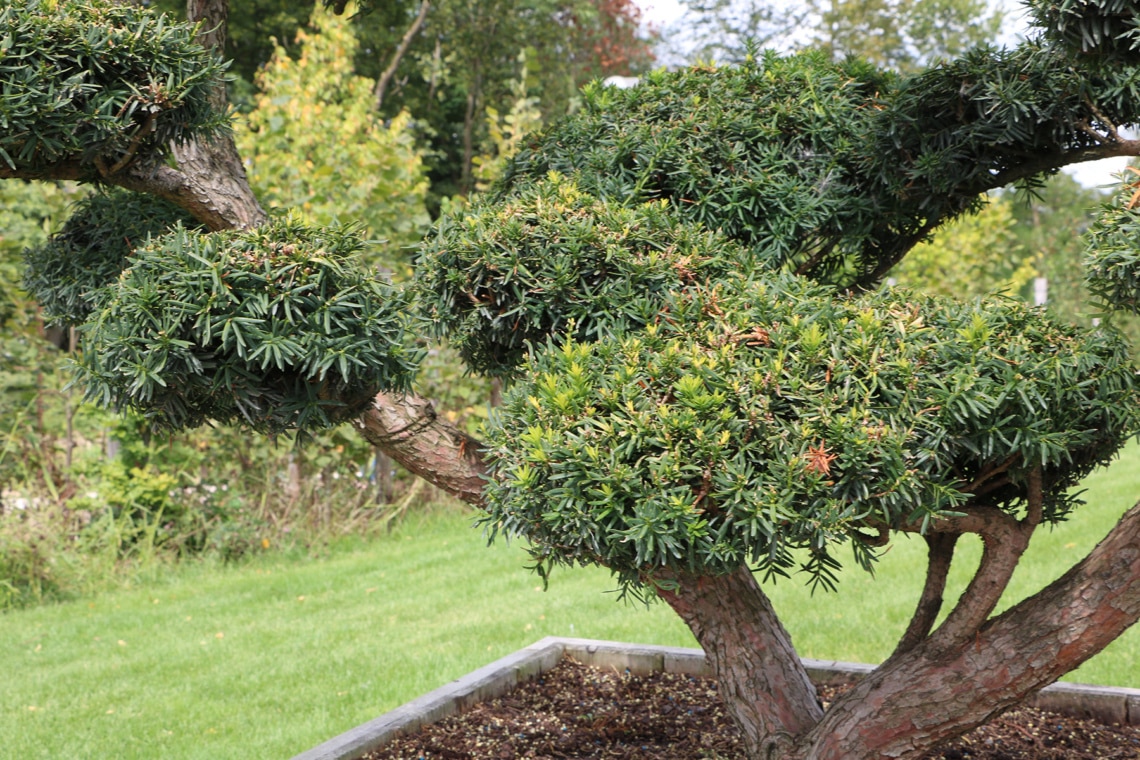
270	658
865	618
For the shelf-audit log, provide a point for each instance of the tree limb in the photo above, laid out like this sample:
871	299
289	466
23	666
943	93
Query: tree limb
390	71
1002	547
407	429
1021	650
978	519
940	555
989	472
1004	540
1061	159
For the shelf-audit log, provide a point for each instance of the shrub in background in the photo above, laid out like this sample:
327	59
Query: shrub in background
312	120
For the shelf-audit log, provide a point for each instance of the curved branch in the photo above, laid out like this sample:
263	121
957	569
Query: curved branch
407	429
1023	649
1050	161
990	472
977	519
940	555
1002	548
390	71
209	182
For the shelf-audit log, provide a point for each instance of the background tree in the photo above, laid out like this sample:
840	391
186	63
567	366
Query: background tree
313	114
898	34
972	256
459	59
465	58
904	34
722	30
756	402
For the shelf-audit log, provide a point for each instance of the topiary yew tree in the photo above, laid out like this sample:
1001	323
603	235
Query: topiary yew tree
681	284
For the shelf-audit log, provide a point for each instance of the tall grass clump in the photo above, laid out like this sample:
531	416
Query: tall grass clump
110	505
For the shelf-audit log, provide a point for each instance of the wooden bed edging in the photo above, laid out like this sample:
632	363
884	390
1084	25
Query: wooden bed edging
1104	703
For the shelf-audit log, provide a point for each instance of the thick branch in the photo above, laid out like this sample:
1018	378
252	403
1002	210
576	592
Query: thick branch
390	71
63	170
1004	540
209	182
764	684
407	429
977	519
211	16
1024	649
940	555
1002	547
1050	161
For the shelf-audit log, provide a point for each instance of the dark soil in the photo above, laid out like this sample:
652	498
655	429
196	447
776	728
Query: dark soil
575	712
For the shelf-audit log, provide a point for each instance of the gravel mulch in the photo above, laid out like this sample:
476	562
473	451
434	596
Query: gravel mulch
575	712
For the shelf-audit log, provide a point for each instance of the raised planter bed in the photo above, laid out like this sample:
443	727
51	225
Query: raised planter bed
1106	704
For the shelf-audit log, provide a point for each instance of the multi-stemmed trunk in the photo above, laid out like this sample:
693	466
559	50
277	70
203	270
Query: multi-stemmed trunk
944	684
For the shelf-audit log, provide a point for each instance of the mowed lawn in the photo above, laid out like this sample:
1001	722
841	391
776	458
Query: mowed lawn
269	658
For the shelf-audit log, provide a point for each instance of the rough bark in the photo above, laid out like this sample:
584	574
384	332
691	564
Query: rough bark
1002	546
407	429
211	16
210	183
911	704
939	556
213	184
764	685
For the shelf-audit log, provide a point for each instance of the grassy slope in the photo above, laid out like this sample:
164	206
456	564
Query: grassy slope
270	658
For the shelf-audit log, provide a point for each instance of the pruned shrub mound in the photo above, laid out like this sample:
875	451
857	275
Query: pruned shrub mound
100	83
272	328
91	249
1104	29
1112	261
832	170
554	259
761	417
765	153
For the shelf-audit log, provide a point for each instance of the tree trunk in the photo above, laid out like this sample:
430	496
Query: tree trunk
761	679
390	71
932	694
474	95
